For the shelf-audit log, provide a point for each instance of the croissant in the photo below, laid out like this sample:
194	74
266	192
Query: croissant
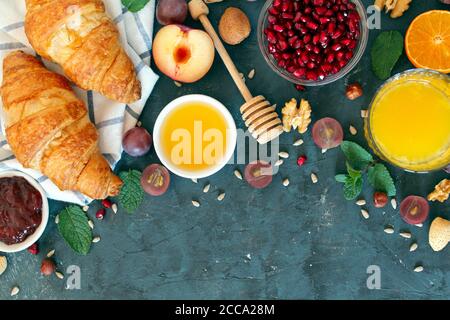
79	36
48	129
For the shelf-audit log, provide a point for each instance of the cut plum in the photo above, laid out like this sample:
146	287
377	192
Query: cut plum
137	142
258	174
327	133
155	180
414	209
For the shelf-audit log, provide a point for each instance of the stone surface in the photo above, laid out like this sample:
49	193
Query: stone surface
303	241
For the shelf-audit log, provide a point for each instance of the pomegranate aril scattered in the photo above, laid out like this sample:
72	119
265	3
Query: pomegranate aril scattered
100	214
33	249
106	203
301	160
299	87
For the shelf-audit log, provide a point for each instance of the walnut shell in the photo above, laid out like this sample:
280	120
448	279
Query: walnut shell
234	26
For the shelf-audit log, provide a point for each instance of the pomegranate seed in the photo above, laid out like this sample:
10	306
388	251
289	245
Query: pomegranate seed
299	87
33	249
312	25
331	27
318	2
316	50
286	56
311	65
330	57
271	37
276	3
304	57
282	63
336	47
342	63
106	203
278	28
339	56
348	55
321	10
329	13
336	34
273	11
299	73
346	42
324	20
297	17
100	214
308	10
307	38
316	39
311	75
352	45
285	15
285	6
272	19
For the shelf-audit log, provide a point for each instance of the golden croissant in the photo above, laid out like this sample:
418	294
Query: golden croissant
49	130
79	36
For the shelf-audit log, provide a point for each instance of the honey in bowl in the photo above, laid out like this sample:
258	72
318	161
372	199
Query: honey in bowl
409	121
195	136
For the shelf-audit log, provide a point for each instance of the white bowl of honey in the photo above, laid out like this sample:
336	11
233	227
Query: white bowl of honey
194	136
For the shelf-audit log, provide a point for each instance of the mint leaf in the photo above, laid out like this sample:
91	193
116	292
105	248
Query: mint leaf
134	5
131	195
357	157
386	50
381	180
352	187
352	172
341	178
74	227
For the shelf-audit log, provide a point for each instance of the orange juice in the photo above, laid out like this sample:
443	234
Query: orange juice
409	121
194	136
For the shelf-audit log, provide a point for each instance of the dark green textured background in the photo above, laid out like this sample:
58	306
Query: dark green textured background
300	242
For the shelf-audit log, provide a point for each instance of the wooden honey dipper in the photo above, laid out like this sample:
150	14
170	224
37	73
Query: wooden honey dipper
259	116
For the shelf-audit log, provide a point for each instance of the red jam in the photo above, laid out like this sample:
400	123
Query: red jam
20	210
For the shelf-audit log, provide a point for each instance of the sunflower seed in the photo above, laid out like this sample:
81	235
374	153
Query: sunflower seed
405	234
178	84
221	196
59	275
114	208
364	113
394	203
361	202
15	291
238	174
3	264
251	74
286	182
91	224
57	219
51	253
413	247
283	154
389	230
206	188
278	163
353	130
418	269
420	225
195	203
365	213
96	239
194	180
139	124
298	142
314	178
86	208
324	150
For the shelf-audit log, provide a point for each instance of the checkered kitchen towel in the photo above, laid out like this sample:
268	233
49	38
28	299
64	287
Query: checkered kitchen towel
111	118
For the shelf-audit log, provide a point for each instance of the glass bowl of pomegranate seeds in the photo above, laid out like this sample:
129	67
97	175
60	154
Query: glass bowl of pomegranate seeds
312	42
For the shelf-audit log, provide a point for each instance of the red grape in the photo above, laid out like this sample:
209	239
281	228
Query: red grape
155	180
171	11
414	209
137	142
327	133
258	174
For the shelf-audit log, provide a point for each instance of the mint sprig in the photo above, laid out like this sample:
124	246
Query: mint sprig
134	5
131	195
386	50
74	227
358	162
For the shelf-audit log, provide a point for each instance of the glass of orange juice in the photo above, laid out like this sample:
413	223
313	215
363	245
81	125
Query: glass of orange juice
194	136
408	123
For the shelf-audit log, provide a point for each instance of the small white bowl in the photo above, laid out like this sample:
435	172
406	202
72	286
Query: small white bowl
231	139
45	213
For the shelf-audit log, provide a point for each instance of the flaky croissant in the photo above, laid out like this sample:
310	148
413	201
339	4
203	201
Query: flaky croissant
48	129
79	36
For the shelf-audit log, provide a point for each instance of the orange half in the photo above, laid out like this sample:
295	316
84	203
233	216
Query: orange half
427	41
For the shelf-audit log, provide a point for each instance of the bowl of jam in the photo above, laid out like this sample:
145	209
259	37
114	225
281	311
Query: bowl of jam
23	211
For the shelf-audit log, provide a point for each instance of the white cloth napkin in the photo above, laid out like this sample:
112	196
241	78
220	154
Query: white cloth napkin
111	118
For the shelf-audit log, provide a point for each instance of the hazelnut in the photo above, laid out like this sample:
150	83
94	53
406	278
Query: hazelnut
234	26
354	91
380	199
47	267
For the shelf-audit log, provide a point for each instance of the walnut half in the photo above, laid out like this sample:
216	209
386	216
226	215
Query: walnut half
441	191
